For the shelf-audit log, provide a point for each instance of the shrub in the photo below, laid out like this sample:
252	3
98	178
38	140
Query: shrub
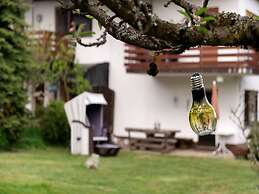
10	131
54	125
39	111
254	139
31	136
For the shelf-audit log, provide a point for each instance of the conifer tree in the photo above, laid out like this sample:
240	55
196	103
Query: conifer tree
13	70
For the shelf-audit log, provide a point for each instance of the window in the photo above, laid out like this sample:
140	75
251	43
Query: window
66	19
250	107
81	20
98	75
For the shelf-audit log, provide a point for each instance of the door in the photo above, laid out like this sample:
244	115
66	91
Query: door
63	19
95	116
108	110
66	19
76	138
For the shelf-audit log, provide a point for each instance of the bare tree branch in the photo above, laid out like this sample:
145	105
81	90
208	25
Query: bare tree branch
99	41
149	16
205	3
124	33
126	11
138	15
188	7
182	3
221	33
228	29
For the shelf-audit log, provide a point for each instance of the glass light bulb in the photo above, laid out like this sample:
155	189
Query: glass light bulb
202	116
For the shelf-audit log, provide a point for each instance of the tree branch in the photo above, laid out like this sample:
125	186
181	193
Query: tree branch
99	41
228	29
138	15
188	7
205	3
126	11
182	3
124	33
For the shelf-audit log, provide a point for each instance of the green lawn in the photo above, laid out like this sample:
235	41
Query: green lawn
55	171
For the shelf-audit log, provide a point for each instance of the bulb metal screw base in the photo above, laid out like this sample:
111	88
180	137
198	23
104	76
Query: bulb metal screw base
197	81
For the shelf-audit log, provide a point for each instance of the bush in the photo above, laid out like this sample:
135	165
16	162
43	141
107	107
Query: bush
54	125
254	139
39	111
10	131
31	136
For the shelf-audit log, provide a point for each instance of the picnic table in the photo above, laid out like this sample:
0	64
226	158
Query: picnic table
152	139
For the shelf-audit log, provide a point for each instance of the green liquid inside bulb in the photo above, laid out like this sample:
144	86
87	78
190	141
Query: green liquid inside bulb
202	118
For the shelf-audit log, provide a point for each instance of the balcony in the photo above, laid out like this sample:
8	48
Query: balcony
48	42
226	60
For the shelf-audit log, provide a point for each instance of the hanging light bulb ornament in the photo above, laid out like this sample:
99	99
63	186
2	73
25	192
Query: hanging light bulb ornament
152	68
202	116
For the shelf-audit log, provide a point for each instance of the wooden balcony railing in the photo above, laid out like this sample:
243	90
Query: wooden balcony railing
45	39
49	43
203	59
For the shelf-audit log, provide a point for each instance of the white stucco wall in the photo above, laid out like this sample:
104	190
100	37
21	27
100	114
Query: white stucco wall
229	98
251	5
95	55
45	9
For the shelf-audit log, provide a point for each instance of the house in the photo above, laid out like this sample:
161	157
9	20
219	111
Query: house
141	100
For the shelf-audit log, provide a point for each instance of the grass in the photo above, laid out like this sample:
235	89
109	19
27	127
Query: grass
55	171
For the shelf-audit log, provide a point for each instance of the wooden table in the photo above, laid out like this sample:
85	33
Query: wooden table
158	140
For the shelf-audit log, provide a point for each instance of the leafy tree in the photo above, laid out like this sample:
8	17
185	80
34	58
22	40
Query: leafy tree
55	64
14	65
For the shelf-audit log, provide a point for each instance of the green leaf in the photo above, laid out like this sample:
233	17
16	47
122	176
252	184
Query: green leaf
209	19
201	11
83	34
89	17
184	13
202	29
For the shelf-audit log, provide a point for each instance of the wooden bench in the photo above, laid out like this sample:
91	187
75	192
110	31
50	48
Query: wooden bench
155	140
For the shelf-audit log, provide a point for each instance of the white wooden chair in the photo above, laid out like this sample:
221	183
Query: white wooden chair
81	137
